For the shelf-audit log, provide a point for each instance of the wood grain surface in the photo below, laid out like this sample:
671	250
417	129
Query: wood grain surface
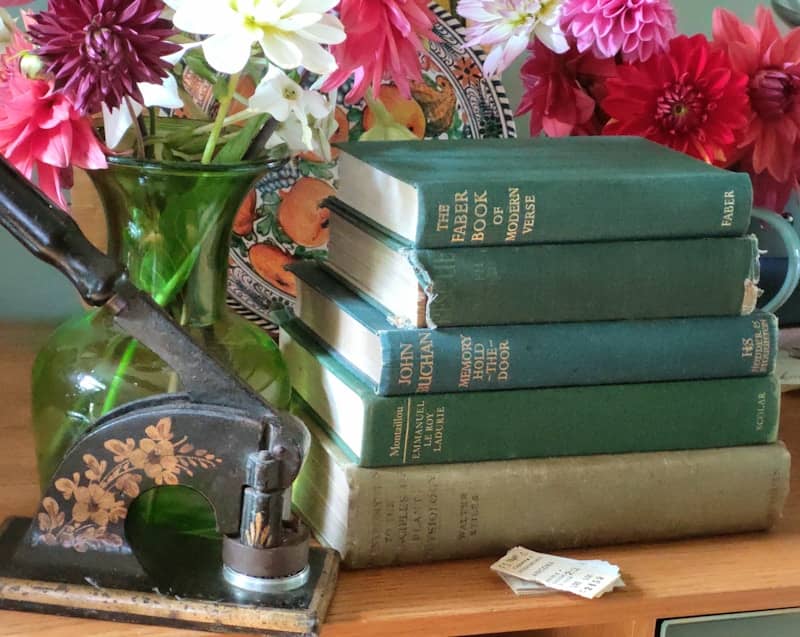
715	575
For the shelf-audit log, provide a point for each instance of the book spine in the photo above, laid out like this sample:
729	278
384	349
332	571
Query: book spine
418	514
566	421
588	281
568	354
590	207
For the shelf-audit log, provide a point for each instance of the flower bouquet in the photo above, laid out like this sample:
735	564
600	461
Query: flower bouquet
617	67
176	108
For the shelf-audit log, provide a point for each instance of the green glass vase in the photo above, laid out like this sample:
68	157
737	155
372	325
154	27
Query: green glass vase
170	225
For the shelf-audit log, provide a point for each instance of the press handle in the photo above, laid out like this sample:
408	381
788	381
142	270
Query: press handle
51	235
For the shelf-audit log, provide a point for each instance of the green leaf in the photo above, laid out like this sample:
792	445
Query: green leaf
263	227
270	199
236	148
356	132
280	236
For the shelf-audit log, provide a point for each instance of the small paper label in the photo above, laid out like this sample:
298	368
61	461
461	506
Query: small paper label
589	579
524	587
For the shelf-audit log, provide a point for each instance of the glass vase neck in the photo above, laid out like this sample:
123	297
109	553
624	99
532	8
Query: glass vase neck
170	224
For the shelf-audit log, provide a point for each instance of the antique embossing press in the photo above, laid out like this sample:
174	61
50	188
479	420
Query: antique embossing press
75	558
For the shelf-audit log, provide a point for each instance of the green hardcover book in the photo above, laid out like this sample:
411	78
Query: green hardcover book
525	423
407	361
401	515
544	283
436	194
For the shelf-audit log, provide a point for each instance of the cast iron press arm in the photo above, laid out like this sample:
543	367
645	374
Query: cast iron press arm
52	236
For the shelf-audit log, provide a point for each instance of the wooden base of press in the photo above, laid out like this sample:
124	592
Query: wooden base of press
204	603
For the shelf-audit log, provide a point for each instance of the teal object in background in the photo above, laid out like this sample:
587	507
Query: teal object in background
32	291
778	623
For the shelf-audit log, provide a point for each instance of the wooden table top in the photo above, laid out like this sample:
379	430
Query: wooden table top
714	575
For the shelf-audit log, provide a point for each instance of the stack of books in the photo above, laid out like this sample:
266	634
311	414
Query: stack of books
550	343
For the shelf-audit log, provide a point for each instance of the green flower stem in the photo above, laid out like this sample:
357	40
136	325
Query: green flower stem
219	123
241	116
163	297
116	381
136	127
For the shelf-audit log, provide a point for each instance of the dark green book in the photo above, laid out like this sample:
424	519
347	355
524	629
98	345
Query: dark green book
407	361
544	283
436	194
525	423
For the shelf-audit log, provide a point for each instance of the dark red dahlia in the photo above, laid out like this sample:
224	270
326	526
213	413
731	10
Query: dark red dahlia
99	50
688	98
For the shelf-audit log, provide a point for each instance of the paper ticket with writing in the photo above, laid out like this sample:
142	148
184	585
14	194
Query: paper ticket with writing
589	579
524	587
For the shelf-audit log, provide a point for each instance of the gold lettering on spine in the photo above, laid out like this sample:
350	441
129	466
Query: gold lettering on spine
419	429
443	218
465	372
474	217
426	362
406	364
728	208
397	431
480	212
530	214
488	362
758	348
439	423
761	347
461	217
761	411
514	209
408	427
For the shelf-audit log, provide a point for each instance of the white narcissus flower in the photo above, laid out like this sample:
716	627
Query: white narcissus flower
117	122
307	119
507	26
315	131
165	95
290	32
279	95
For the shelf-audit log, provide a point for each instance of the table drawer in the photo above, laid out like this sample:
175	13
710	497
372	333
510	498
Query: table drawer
777	623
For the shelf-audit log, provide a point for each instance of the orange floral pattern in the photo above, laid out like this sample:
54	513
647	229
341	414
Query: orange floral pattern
99	497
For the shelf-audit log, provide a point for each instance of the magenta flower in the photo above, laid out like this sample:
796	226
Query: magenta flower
772	63
40	129
384	38
769	192
559	91
100	50
635	28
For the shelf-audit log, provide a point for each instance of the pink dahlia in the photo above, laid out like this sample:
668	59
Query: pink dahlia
40	129
772	64
559	91
635	28
769	192
687	98
99	50
384	38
